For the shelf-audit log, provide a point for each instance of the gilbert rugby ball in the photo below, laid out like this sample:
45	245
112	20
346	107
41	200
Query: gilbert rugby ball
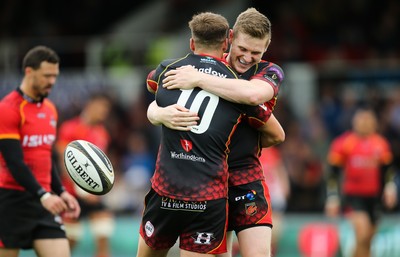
89	167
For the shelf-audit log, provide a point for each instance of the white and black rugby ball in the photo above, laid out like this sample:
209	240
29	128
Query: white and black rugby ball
89	167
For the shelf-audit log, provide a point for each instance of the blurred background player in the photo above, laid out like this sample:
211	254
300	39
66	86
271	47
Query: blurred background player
362	156
89	125
278	183
31	194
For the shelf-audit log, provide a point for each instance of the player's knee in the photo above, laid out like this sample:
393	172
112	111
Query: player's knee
74	231
102	227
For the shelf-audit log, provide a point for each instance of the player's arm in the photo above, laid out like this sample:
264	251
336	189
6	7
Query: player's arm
253	92
390	190
173	116
58	188
272	132
335	161
12	154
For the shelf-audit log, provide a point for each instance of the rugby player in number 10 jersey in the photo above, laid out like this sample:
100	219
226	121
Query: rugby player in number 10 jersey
188	199
249	203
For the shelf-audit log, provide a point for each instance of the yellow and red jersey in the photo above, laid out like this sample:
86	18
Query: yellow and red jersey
34	124
361	159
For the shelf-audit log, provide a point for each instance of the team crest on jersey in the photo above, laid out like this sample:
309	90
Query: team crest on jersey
251	208
186	145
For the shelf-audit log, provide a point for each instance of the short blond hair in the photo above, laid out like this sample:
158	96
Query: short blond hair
252	23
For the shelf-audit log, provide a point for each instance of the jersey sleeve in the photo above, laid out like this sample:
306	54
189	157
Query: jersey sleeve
10	122
272	74
386	152
257	116
151	82
335	153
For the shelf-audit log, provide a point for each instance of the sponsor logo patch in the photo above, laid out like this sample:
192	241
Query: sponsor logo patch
251	208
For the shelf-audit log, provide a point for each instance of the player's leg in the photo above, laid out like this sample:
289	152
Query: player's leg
229	245
364	231
102	228
255	241
145	251
160	226
250	215
184	253
52	247
74	230
6	252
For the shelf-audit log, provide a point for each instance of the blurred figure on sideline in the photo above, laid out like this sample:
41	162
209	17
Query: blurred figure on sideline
362	156
89	126
278	183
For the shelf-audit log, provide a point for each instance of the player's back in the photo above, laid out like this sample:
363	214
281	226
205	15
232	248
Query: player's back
192	165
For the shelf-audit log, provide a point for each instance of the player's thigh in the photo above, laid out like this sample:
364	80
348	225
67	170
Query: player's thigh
52	247
145	251
185	253
229	245
9	252
362	225
255	241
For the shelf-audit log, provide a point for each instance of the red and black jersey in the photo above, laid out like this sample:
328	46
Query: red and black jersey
34	124
361	159
244	165
192	165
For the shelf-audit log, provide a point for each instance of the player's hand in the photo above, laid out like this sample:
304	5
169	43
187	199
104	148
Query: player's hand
177	117
332	207
390	195
53	203
73	209
185	77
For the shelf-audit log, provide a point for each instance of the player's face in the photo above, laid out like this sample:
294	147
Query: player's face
364	123
246	51
44	78
98	110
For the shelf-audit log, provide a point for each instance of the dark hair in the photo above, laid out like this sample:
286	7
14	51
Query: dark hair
39	54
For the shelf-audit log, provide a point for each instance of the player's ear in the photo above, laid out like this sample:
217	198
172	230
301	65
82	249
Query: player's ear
230	36
192	44
268	43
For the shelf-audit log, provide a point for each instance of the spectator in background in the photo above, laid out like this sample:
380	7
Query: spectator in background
363	157
89	126
138	167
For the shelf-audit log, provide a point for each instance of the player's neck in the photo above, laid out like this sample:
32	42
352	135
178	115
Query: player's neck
214	53
28	93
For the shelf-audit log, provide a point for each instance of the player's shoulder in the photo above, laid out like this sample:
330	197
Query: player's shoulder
271	67
11	101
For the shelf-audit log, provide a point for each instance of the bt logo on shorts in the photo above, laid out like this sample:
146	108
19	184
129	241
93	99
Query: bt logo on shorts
251	195
203	238
149	229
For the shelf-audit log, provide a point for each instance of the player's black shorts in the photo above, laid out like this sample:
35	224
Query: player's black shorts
87	208
249	206
200	226
370	205
23	220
